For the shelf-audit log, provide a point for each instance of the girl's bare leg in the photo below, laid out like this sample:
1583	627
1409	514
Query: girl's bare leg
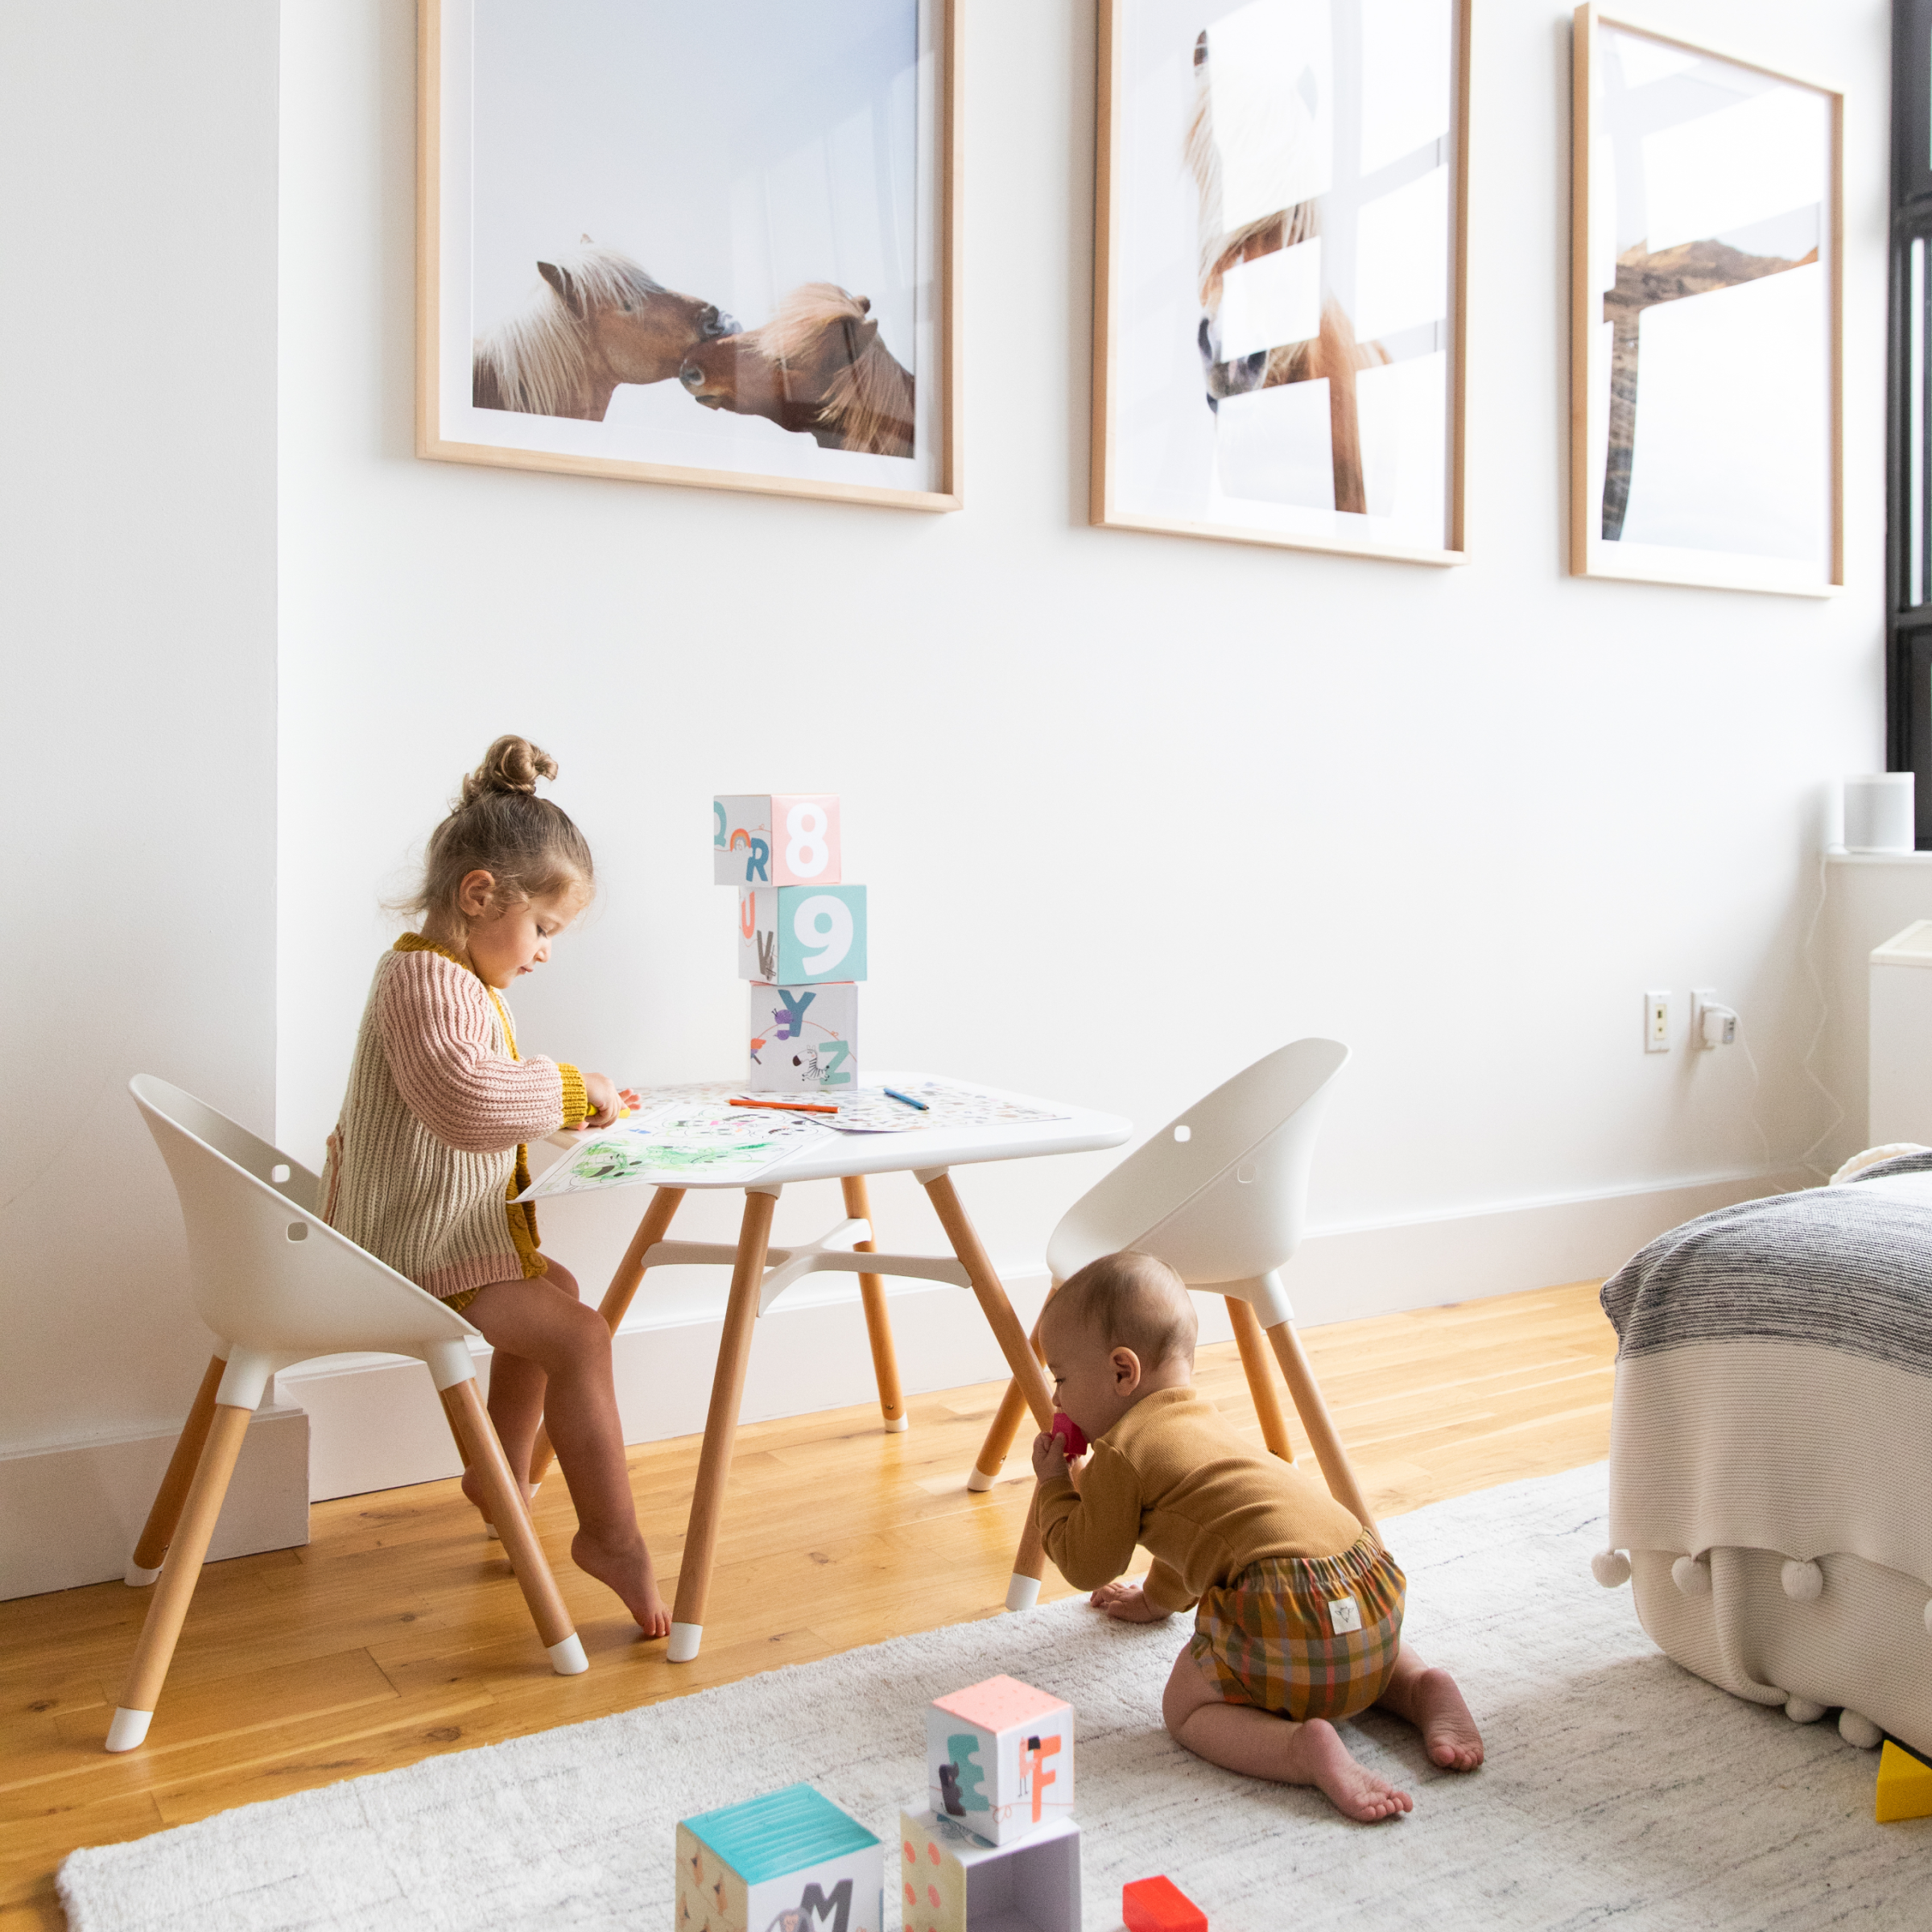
1260	1744
557	1352
1430	1700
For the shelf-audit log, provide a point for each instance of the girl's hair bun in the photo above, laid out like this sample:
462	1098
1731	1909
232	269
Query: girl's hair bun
512	764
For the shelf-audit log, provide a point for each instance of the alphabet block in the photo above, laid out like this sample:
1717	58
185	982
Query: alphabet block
951	1883
804	1039
999	1759
802	849
799	935
790	1861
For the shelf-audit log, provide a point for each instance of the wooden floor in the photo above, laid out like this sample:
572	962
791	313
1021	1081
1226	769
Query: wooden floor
399	1633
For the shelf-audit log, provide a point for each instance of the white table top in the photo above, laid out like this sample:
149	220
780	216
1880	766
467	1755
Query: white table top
838	1154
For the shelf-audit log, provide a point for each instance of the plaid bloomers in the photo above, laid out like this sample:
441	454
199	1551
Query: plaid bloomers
1304	1635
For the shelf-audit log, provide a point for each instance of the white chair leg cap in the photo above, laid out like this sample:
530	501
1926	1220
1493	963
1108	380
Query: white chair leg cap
1022	1592
138	1578
1610	1567
899	1427
491	1531
129	1728
1691	1576
1801	1711
979	1482
568	1659
684	1640
1860	1731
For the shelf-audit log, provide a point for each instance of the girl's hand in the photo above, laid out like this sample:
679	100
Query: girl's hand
1128	1603
1049	1458
603	1095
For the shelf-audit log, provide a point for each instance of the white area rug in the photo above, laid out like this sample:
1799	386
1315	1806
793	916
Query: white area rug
1618	1787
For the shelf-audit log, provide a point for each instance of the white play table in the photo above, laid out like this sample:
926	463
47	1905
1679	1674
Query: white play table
762	1272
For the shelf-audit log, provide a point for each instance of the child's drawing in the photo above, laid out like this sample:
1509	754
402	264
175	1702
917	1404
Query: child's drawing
871	1110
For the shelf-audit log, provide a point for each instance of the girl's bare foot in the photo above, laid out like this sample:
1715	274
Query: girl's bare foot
1449	1732
473	1490
627	1570
1318	1757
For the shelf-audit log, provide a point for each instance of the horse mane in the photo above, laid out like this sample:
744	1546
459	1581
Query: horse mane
804	316
869	404
535	362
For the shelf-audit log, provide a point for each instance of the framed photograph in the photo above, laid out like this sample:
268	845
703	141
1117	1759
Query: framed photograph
1706	337
680	244
1278	306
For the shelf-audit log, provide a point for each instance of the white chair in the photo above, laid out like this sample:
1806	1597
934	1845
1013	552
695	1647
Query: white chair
1219	1195
279	1285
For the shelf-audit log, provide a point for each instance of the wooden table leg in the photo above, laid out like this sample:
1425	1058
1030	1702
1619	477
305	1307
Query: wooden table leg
547	1607
1029	1560
991	1294
1315	1419
1261	1385
878	1321
1005	1426
180	1573
720	1428
616	1301
144	1566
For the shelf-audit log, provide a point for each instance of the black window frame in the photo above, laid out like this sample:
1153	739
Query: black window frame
1909	627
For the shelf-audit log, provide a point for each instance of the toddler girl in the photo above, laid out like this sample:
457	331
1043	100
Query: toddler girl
424	1165
1300	1620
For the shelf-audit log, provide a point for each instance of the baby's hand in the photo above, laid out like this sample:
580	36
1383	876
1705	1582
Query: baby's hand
602	1093
1049	1458
1128	1601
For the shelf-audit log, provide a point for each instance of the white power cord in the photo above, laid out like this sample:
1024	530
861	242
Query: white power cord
1817	1032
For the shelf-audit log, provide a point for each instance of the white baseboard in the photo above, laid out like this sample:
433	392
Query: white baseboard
375	1423
70	1513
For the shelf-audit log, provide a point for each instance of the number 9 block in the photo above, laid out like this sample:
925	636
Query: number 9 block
800	935
774	839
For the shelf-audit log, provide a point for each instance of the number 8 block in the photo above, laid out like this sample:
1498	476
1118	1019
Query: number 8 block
801	936
774	839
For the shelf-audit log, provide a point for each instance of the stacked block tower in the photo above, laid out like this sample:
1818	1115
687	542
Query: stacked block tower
998	1850
801	937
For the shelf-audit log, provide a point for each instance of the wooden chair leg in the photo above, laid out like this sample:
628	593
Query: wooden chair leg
144	1566
1314	1412
878	1321
616	1301
720	1430
1261	1385
520	1544
1005	1425
991	1294
180	1573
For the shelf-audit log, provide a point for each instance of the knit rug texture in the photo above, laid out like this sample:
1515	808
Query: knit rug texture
1618	1788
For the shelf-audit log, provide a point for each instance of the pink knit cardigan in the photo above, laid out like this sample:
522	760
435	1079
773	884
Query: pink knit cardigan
423	1164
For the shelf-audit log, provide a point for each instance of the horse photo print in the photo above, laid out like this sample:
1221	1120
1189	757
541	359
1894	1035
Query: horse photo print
1706	314
674	243
1279	299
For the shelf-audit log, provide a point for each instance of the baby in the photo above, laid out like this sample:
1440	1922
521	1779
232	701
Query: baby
1301	1607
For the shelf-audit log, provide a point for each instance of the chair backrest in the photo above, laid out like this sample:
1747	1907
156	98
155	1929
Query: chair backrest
268	1273
1219	1193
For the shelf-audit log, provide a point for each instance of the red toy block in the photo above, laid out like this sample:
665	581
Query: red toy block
1159	1905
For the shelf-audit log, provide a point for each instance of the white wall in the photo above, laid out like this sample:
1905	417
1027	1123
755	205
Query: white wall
1132	809
138	607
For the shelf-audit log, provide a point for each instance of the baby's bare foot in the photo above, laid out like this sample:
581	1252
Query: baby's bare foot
1319	1757
1449	1732
627	1570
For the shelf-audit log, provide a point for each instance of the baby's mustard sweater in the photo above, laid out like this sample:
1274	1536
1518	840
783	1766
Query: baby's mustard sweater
1174	1474
425	1163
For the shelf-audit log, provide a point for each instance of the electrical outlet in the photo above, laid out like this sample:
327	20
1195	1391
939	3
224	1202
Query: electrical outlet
1657	1022
1719	1028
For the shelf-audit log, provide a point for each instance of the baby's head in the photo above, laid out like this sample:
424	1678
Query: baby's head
1118	1329
506	871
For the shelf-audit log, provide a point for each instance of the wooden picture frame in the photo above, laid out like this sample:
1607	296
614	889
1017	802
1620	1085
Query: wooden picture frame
1391	456
586	379
1705	459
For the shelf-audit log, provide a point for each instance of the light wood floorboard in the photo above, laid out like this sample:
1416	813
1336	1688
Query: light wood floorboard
399	1633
